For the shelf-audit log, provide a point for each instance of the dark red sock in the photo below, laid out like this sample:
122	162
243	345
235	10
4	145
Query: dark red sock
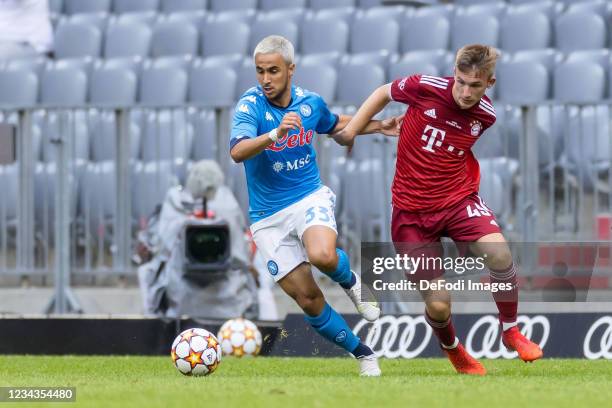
506	300
445	331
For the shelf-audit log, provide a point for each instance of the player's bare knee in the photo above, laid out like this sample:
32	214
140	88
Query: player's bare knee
323	258
438	310
499	258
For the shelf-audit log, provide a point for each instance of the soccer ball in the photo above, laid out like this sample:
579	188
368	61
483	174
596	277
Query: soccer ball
196	352
240	337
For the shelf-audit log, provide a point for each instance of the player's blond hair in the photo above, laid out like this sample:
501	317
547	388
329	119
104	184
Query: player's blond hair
477	57
276	44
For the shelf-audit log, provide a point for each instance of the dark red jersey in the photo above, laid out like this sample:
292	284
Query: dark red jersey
435	165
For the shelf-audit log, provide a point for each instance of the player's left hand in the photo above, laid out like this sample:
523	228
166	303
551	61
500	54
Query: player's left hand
391	126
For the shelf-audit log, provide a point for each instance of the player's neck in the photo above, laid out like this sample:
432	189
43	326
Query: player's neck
283	100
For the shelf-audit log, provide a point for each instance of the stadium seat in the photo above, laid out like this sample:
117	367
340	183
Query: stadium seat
474	29
552	9
494	189
396	13
212	85
472	2
324	35
443	60
326	58
89	6
410	66
196	18
127	6
373	34
205	145
174	38
246	76
150	182
524	30
368	76
296	15
36	64
492	8
98	20
18	88
113	86
63	86
601	57
321	4
127	40
549	57
533	78
580	31
318	78
381	58
171	6
234	16
599	7
9	183
278	4
424	31
162	86
342	13
231	61
261	29
220	38
142	17
77	40
579	82
223	5
56	7
97	202
363	4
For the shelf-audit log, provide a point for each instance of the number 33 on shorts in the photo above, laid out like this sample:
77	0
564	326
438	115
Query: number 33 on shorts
321	214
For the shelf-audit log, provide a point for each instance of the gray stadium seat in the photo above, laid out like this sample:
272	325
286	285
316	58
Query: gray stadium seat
580	31
246	76
441	59
404	68
381	58
18	88
601	57
143	17
524	30
77	40
327	58
342	13
579	82
552	9
127	6
324	36
220	38
423	31
231	61
97	203
369	34
396	13
65	86
89	6
222	5
318	78
197	18
474	28
99	19
132	63
472	2
234	16
127	40
174	38
594	6
262	29
35	65
549	57
367	76
295	15
321	4
362	4
522	82
56	6
446	10
9	183
170	6
150	183
163	86
165	135
205	135
112	86
212	85
278	4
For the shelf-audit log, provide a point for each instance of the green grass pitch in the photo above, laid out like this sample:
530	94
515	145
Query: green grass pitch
311	382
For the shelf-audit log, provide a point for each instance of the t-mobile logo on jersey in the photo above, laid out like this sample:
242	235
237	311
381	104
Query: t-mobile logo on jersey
432	137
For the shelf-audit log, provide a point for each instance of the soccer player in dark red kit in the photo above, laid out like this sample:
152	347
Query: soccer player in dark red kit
435	188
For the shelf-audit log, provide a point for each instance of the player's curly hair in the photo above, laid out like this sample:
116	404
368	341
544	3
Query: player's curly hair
477	57
276	44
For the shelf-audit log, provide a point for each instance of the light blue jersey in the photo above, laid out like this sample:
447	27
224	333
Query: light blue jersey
287	170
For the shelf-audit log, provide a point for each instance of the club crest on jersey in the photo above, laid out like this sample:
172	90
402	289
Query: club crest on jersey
305	110
290	141
475	128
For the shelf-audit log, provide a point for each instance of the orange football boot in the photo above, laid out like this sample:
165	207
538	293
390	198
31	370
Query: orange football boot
527	350
463	362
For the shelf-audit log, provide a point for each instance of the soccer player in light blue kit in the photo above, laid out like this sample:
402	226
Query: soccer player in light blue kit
292	212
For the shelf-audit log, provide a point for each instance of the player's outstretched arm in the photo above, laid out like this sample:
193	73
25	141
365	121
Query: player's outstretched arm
362	122
249	147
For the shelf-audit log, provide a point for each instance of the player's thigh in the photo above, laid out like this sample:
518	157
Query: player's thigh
281	250
300	285
494	249
320	244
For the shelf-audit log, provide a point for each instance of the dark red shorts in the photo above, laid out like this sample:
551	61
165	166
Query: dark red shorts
419	233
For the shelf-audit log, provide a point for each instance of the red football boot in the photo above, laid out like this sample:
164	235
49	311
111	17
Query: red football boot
463	362
527	350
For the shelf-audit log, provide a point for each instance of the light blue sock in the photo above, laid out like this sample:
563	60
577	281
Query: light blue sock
333	327
343	274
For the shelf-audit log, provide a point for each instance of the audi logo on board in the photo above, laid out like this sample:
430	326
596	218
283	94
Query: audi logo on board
598	340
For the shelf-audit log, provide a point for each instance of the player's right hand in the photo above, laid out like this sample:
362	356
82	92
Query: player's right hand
291	121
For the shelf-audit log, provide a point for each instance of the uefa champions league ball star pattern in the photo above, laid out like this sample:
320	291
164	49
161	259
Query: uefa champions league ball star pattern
196	352
240	337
